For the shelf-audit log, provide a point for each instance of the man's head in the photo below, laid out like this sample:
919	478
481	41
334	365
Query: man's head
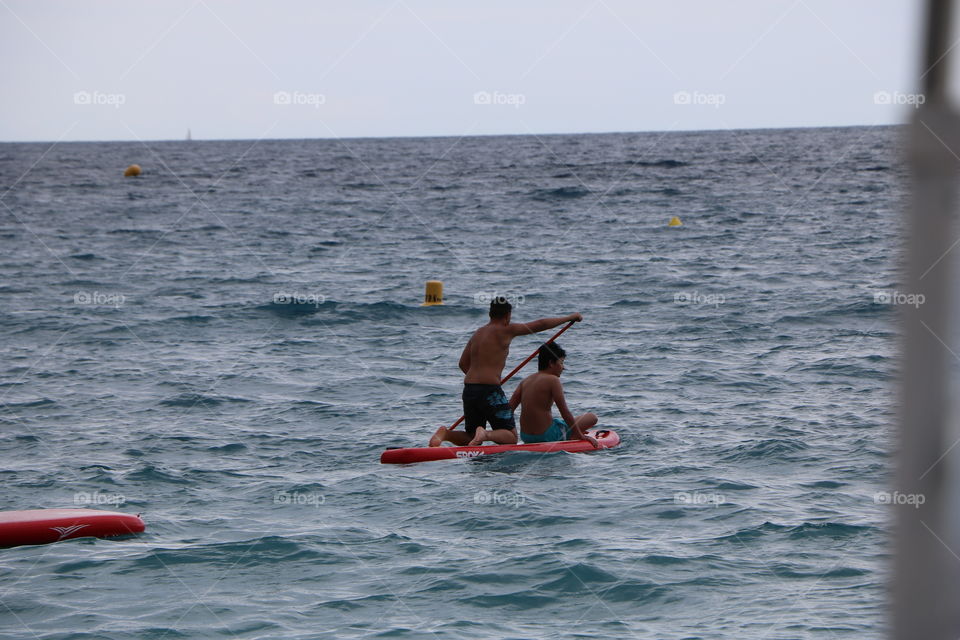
550	354
500	308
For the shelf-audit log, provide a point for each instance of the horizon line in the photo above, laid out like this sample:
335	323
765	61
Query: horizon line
475	135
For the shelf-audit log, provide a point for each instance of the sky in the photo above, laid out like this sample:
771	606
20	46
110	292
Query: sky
151	70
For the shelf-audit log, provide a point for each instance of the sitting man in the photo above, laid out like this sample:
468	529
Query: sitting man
538	393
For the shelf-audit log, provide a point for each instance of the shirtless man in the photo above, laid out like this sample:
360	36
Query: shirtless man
538	393
482	361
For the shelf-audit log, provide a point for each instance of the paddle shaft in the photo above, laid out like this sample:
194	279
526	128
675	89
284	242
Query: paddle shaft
522	364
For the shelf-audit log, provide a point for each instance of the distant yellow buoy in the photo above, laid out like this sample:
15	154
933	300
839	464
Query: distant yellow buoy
132	171
433	294
674	222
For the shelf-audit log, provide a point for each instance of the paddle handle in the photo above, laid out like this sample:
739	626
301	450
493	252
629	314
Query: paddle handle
521	365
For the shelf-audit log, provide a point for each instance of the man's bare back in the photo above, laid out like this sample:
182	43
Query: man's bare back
539	392
486	353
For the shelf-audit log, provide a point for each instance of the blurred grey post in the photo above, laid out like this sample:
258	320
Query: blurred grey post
926	566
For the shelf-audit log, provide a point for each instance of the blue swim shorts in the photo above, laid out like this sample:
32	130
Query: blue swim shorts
558	430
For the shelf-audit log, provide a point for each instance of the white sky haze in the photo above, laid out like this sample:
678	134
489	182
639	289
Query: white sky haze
151	70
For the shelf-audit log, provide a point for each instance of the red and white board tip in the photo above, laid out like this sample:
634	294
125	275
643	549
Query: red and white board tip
42	526
607	438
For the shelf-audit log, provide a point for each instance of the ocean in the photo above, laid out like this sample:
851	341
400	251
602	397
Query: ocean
226	343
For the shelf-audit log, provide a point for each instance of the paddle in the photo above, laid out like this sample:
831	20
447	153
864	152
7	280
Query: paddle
520	366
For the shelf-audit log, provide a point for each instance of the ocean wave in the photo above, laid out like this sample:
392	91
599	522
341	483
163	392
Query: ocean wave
522	600
178	292
669	164
666	191
149	232
797	572
862	308
233	447
844	367
771	449
257	551
825	484
560	193
836	530
199	400
28	404
188	319
153	474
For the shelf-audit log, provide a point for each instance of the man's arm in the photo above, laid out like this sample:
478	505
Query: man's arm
561	402
567	416
536	326
465	356
515	398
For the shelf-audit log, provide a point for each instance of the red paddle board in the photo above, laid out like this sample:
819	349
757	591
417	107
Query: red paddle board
606	437
41	526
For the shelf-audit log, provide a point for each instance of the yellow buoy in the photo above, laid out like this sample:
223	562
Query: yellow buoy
674	222
433	294
132	170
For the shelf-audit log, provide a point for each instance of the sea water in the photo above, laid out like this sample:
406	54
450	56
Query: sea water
227	343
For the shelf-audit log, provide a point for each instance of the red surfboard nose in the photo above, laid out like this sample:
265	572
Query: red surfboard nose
43	526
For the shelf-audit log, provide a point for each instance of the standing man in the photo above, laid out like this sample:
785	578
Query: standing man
482	361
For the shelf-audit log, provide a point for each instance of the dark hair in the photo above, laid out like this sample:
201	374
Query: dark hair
499	307
549	353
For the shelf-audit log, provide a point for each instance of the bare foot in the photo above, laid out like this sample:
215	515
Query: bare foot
478	437
438	438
